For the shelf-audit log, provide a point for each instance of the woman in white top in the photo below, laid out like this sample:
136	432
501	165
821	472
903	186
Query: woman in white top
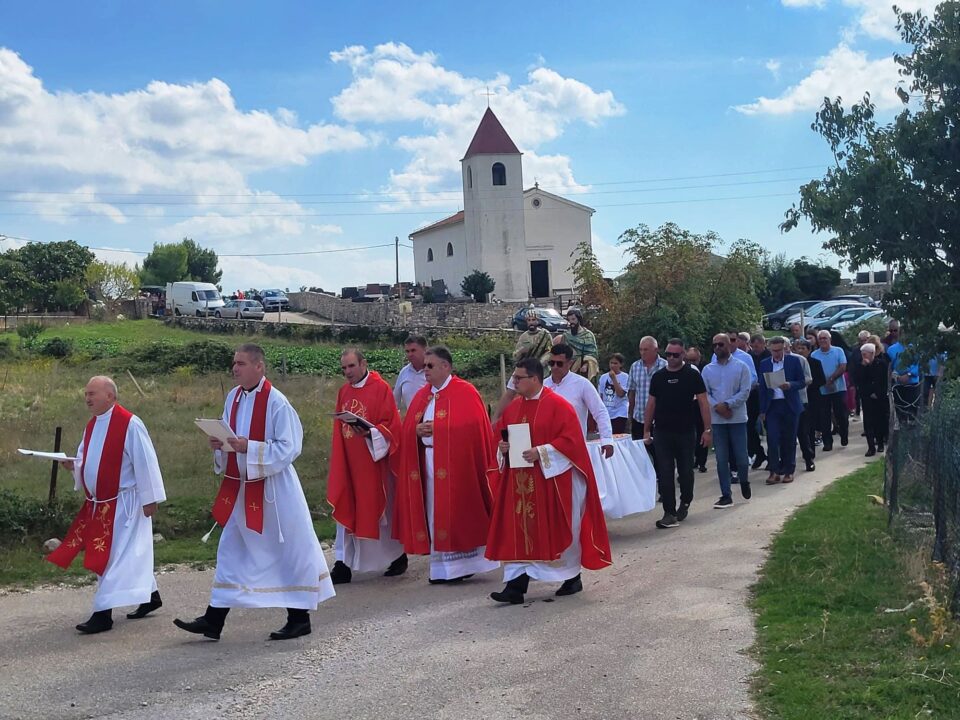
613	389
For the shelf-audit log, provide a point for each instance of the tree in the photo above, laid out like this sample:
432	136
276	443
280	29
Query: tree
478	285
112	283
201	263
780	285
47	264
816	281
166	263
891	195
68	294
16	284
674	286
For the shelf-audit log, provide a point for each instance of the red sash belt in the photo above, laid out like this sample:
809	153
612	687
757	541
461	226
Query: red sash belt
230	486
92	529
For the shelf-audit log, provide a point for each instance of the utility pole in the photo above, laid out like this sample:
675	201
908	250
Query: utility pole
396	257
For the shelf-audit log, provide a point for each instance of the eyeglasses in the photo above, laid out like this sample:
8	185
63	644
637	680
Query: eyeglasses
673	354
518	378
720	344
429	366
556	363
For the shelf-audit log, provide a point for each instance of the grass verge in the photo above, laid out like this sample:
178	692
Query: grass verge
827	647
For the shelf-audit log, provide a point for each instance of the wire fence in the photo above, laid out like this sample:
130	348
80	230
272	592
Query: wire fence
922	480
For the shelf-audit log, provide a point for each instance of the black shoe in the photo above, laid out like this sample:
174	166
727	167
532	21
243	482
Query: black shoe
870	452
200	626
760	460
99	622
451	581
827	448
723	503
701	468
745	490
879	447
291	630
682	511
668	521
570	587
513	591
340	574
811	466
844	442
146	608
397	567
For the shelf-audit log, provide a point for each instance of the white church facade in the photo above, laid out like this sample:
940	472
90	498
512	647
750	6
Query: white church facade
525	239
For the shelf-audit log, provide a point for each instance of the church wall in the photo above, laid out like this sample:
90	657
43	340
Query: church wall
553	232
451	270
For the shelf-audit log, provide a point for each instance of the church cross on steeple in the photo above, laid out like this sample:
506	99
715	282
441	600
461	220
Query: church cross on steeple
489	95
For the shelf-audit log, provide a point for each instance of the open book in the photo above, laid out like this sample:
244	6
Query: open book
350	419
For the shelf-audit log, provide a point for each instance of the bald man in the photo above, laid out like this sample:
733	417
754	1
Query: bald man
117	470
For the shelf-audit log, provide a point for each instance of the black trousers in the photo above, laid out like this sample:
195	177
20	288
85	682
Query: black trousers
906	402
218	616
876	420
835	405
754	443
674	454
700	452
806	434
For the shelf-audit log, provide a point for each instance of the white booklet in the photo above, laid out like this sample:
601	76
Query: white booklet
40	455
217	429
775	379
518	436
350	419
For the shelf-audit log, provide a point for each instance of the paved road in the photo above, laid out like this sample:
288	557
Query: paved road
662	634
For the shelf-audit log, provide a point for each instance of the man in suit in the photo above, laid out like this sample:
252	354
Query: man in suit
780	408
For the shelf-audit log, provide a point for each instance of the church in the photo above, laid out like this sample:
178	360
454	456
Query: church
524	239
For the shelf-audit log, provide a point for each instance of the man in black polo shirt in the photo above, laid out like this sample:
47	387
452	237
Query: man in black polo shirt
675	436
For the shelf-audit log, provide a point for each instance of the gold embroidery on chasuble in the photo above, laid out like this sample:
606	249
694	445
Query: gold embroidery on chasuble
419	416
99	544
441	534
523	487
346	431
441	414
421	535
441	474
254	507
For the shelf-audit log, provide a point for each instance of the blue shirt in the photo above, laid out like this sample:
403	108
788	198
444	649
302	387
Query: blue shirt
747	359
831	360
728	383
898	368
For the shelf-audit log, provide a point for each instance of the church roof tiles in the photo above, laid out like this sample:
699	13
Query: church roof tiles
491	138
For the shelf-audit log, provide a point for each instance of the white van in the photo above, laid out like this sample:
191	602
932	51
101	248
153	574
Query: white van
193	298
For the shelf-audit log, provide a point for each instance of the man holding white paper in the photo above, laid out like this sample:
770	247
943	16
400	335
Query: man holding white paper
116	468
781	379
364	462
547	519
269	555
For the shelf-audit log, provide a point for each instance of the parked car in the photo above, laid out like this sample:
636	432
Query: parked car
274	300
776	319
241	310
850	314
874	314
865	299
822	310
549	319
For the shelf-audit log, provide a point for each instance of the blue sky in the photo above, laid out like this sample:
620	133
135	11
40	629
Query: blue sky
266	128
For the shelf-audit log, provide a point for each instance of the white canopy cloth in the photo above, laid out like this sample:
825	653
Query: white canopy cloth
627	481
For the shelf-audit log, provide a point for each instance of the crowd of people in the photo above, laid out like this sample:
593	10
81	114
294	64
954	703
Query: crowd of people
421	468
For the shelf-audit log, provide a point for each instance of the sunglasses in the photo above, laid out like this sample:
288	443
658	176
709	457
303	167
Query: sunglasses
557	363
720	344
430	366
673	354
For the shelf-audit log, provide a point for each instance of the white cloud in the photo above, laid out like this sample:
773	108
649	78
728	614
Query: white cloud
774	67
611	257
844	72
448	105
876	18
189	139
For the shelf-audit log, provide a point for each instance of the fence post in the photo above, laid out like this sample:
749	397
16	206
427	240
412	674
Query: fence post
55	467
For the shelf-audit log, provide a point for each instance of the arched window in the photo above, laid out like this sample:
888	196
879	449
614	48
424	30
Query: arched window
449	249
469	177
499	174
429	254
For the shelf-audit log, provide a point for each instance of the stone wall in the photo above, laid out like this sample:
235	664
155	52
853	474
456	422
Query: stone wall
394	314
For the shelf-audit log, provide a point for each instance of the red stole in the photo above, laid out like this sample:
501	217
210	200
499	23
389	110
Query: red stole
356	485
92	529
230	486
533	516
464	454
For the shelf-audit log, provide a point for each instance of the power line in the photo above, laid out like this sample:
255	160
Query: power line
454	191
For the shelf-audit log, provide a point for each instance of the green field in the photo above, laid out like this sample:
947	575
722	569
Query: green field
827	645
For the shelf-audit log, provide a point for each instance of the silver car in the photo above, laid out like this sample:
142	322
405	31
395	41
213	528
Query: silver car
241	310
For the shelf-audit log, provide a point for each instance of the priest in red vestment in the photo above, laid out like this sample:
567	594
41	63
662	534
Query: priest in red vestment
547	518
363	464
447	467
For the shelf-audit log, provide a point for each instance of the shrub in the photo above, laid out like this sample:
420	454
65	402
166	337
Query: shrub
29	330
23	517
55	347
9	347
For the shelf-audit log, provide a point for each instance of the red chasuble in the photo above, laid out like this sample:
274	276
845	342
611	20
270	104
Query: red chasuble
356	485
464	469
253	487
533	516
92	530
